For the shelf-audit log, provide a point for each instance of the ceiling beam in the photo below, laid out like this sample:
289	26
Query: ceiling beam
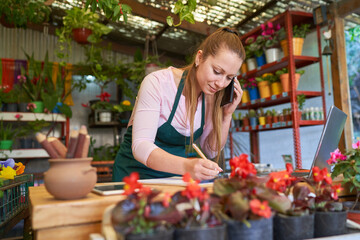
346	7
256	13
158	15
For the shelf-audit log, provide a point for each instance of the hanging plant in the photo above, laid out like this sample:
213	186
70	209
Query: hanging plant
185	12
112	9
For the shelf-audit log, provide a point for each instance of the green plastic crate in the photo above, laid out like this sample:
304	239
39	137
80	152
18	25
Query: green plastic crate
15	197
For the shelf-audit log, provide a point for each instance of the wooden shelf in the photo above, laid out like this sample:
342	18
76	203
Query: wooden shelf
28	117
24	153
275	100
300	61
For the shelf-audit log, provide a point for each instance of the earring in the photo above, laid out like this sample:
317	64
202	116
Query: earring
196	65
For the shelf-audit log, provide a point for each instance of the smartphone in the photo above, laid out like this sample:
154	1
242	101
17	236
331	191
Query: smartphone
228	94
113	189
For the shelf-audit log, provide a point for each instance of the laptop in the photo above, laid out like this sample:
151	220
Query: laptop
329	140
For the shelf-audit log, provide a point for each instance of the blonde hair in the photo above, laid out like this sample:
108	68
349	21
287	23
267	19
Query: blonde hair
222	37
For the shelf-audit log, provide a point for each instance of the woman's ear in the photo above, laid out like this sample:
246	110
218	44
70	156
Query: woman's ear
198	57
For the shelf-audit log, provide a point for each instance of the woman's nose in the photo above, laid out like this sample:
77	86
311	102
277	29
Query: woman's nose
221	82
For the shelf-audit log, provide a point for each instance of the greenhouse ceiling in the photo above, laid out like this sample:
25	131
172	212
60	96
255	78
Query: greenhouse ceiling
148	18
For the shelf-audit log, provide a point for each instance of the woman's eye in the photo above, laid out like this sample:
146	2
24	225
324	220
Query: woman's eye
230	78
216	72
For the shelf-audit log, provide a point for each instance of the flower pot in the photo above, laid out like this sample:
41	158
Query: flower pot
39	107
269	119
276	88
105	116
56	108
261	60
353	213
11	107
285	81
6	144
80	35
245	98
293	227
243	68
253	121
22	107
71	178
262	121
264	89
26	143
201	233
275	119
246	122
251	64
330	223
259	229
253	93
297	46
272	55
159	235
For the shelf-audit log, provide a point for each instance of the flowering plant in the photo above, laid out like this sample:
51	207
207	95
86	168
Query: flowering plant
9	169
123	106
347	164
244	196
251	83
195	205
270	77
6	132
104	102
140	212
269	31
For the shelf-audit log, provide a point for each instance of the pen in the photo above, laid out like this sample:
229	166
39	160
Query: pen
197	149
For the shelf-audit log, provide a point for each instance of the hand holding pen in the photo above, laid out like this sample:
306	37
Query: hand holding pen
204	169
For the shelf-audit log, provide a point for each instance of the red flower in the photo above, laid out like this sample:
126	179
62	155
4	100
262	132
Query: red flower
289	168
131	183
85	105
317	174
240	166
18	116
192	189
261	209
105	96
326	176
336	189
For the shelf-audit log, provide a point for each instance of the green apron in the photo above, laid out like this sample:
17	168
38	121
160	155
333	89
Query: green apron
167	138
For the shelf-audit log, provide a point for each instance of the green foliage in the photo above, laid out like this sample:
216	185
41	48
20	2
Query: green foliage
299	31
123	107
252	113
79	18
21	12
256	47
285	70
268	113
6	132
271	78
102	105
105	152
31	128
112	9
301	100
185	12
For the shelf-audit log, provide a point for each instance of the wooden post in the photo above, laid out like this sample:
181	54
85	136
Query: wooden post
340	78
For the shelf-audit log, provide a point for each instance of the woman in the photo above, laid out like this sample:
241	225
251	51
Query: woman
176	107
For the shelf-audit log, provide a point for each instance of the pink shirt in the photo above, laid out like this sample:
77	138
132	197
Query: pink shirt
152	109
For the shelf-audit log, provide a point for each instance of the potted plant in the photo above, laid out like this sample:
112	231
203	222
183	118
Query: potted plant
245	202
284	76
346	168
297	222
141	216
263	85
299	34
250	54
275	115
269	117
245	98
103	108
274	82
300	100
83	26
262	119
253	89
269	31
252	118
18	13
257	48
196	207
7	134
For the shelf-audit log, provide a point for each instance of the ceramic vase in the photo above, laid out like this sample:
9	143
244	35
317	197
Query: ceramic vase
70	178
272	55
81	34
251	64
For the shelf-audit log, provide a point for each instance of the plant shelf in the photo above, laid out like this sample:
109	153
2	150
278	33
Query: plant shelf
24	153
28	117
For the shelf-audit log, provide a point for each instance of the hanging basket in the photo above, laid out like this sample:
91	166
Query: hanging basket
81	35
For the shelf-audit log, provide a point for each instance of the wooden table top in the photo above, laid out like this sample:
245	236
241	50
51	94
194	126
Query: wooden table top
47	212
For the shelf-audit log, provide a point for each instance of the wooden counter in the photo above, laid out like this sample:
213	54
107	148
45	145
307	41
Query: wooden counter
71	219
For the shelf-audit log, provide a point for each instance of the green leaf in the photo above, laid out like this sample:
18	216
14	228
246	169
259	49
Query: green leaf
192	5
238	206
116	10
170	21
178	6
66	110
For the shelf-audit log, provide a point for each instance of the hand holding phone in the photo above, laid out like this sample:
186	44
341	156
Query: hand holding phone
228	94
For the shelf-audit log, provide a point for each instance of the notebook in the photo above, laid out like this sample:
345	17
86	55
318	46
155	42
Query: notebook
329	140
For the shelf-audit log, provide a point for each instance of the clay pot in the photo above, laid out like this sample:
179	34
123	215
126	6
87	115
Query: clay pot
80	35
71	178
285	81
264	89
297	46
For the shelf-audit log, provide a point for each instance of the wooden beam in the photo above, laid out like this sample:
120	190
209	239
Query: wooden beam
158	15
346	7
259	11
340	79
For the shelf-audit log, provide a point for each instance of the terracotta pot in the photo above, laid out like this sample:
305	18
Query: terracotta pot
285	81
297	46
275	119
269	119
246	122
81	34
264	89
71	178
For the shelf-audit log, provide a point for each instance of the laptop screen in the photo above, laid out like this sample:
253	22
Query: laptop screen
330	138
